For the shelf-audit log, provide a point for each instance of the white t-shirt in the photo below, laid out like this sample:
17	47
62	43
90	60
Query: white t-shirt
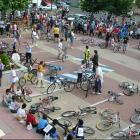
131	32
71	24
21	113
85	26
107	30
18	92
13	73
16	58
100	73
72	34
80	69
60	46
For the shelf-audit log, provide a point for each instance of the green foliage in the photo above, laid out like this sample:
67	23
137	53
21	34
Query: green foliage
138	3
5	59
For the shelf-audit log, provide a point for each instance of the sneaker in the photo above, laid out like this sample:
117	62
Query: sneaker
42	86
37	86
98	93
94	92
72	48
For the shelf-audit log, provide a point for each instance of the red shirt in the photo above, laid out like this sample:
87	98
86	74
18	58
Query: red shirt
30	119
116	30
26	17
41	19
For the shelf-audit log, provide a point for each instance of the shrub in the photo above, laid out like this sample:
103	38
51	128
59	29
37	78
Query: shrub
5	59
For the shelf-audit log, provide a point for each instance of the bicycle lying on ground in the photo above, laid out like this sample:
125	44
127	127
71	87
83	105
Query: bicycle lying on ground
136	117
80	112
130	90
112	118
117	47
106	45
114	96
123	134
67	84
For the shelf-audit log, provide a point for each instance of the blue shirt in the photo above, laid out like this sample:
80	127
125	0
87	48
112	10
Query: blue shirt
14	44
91	26
42	123
28	50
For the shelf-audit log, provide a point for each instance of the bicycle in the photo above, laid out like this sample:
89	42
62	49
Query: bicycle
65	124
112	118
67	84
27	77
131	133
117	47
136	117
114	96
106	45
64	56
80	112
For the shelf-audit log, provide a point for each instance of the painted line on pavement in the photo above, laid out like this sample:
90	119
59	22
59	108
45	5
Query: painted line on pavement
132	125
44	51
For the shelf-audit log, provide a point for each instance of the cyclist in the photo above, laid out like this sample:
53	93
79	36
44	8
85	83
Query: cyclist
50	131
78	130
87	56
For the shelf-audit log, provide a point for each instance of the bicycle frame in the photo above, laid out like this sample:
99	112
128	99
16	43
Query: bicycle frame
113	95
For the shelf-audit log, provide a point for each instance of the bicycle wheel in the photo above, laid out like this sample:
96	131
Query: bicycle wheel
84	85
118	100
118	134
91	110
34	72
88	130
51	88
115	49
124	84
107	111
135	119
129	92
111	47
27	90
68	114
33	80
27	98
69	86
137	109
22	81
63	58
104	125
64	122
103	46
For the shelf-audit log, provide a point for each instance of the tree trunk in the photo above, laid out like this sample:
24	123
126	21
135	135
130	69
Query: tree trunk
91	17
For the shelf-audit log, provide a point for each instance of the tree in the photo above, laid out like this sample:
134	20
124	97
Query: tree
118	7
92	6
138	3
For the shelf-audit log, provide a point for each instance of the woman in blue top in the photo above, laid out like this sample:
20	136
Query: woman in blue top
28	53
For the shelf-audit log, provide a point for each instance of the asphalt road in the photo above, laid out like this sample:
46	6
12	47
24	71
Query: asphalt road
79	11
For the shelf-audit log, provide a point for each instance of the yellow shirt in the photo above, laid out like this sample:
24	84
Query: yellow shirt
56	30
40	68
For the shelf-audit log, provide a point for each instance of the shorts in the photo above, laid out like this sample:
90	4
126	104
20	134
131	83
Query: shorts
39	76
71	39
59	52
56	35
0	73
13	83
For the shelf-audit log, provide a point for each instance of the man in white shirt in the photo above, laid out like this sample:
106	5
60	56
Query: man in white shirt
60	48
98	80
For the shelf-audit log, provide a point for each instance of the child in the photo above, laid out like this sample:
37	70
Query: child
19	95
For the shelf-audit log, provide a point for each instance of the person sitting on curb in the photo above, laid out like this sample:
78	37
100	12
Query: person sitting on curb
14	105
43	122
78	130
21	115
7	98
18	94
50	131
31	118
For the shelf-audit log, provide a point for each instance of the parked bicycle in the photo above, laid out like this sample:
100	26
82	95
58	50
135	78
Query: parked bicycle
136	117
67	84
106	45
27	77
80	112
124	134
112	118
114	96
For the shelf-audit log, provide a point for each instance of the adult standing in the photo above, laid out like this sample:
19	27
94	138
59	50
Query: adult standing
98	80
13	77
91	29
34	37
138	33
85	28
1	69
15	30
40	75
60	48
125	43
72	38
56	33
1	26
66	32
8	28
28	53
87	56
95	60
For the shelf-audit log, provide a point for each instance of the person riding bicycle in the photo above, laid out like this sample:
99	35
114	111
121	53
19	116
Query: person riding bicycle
87	55
78	130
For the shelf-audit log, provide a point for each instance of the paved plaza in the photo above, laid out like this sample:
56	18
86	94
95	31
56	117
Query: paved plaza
117	67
